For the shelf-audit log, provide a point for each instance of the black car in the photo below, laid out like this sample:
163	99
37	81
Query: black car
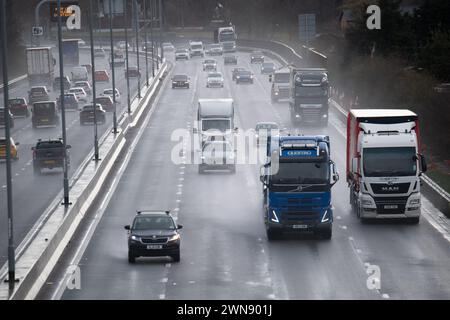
132	72
153	234
180	81
244	76
267	68
230	60
49	154
256	56
87	115
66	83
235	71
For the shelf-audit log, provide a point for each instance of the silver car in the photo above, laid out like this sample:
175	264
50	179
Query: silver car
214	80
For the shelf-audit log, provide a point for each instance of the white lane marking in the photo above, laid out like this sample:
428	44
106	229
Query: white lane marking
164	280
162	296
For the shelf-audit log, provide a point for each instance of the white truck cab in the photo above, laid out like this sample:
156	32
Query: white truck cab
196	49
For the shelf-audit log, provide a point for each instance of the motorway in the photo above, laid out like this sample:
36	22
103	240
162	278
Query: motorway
225	253
32	194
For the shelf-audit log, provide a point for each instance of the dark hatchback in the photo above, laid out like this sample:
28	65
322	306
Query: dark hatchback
87	115
244	76
70	102
153	234
180	81
19	107
230	60
44	114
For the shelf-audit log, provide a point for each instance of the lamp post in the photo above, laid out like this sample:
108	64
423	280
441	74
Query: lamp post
137	44
156	47
126	54
63	109
151	37
112	68
11	251
161	30
146	42
94	93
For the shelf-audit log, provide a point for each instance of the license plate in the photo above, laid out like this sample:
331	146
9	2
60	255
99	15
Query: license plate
300	226
49	161
44	120
154	246
391	206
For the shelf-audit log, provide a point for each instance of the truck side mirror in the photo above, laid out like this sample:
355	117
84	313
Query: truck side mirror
194	130
270	78
68	146
423	164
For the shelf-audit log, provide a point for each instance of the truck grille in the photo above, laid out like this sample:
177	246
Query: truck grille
293	217
283	92
384	188
391	205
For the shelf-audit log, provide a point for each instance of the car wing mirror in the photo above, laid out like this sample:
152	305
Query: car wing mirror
127	227
17	143
68	146
179	226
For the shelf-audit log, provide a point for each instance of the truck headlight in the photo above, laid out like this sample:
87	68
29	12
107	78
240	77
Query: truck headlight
135	238
414	202
325	116
238	77
297	116
325	217
367	202
276	93
274	217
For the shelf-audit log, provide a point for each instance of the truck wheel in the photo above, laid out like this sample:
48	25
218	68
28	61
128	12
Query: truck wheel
326	233
131	258
233	170
200	170
273	234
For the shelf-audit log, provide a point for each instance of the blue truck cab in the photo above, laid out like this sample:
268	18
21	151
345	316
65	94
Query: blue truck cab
297	181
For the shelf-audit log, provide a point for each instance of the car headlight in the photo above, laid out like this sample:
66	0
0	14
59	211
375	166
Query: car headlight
415	201
238	77
274	217
276	93
175	237
135	238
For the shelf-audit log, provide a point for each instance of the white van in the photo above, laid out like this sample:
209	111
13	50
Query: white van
79	74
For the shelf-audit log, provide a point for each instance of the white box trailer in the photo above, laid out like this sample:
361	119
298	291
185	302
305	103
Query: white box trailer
40	65
384	163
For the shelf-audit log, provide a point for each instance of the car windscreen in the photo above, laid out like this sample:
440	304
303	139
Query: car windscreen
217	147
49	144
153	223
282	77
196	46
105	100
244	73
386	162
180	78
210	61
268	65
44	109
16	101
214	75
38	91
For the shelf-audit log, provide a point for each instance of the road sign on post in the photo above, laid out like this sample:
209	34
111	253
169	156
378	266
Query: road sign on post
307	27
37	31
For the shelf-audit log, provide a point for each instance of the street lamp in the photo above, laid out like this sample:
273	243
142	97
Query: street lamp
94	94
151	37
126	54
11	251
161	29
146	42
156	40
112	68
63	110
137	44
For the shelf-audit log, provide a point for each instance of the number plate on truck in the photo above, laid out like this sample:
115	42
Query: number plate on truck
154	246
391	206
299	226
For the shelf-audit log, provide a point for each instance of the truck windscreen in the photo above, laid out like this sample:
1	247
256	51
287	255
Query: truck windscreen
226	36
389	162
282	77
310	91
216	124
44	109
298	172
